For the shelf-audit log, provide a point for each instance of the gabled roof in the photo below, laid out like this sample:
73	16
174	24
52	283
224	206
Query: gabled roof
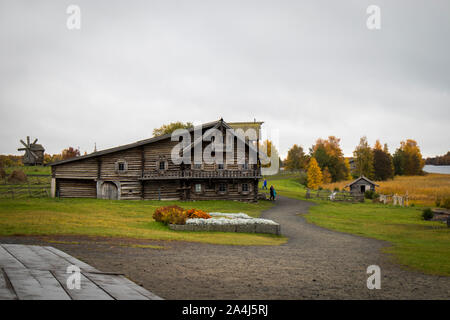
213	124
362	178
128	146
207	134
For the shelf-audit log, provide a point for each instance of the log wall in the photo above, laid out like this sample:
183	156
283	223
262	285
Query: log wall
139	160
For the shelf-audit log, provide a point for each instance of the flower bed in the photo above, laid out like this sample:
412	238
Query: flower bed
177	215
230	222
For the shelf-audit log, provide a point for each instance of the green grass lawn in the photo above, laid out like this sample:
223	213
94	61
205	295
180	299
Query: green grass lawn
418	244
131	219
30	169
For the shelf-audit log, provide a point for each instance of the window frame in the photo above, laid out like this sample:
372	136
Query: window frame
225	187
118	164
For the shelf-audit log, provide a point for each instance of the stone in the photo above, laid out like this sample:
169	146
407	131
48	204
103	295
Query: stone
247	228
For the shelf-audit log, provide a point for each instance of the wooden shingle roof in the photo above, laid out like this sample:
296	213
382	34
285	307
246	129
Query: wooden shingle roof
362	178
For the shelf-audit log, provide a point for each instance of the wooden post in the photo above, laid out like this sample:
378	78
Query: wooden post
142	172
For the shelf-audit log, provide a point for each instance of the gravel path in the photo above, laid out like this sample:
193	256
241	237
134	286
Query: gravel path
314	264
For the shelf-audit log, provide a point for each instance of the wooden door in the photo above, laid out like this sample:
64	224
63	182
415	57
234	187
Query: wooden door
109	191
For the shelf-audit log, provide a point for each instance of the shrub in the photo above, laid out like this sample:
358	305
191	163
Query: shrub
427	214
303	178
445	203
170	215
196	213
17	176
2	173
336	189
370	194
438	202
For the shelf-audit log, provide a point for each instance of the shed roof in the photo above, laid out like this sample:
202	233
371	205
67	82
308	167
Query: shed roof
362	178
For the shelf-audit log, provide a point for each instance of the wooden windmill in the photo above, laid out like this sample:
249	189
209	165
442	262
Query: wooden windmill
34	153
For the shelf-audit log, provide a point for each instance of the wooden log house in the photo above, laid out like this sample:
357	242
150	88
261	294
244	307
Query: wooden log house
144	170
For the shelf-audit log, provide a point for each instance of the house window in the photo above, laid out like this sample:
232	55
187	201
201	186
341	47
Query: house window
245	187
198	187
121	166
222	187
162	165
245	166
220	166
197	166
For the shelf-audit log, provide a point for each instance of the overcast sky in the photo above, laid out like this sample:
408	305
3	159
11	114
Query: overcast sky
308	69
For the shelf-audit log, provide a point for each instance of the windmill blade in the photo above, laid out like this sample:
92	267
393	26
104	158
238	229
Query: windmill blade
33	154
26	146
35	140
28	140
22	149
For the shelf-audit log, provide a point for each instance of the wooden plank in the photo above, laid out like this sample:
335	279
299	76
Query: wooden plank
80	264
116	286
88	290
7	260
54	262
26	256
35	285
6	292
141	290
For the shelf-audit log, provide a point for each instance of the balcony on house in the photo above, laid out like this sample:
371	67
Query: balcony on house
201	174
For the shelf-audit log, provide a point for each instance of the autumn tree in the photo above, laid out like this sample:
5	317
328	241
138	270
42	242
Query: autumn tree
52	158
315	178
326	176
70	153
408	159
382	162
364	159
268	153
443	160
328	153
171	127
296	159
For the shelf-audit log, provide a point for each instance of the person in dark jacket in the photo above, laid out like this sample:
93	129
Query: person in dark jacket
272	193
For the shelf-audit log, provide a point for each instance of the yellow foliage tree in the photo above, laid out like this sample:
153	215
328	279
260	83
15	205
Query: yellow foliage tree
315	178
326	176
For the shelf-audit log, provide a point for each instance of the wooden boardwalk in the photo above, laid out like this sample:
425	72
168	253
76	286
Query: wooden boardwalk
30	272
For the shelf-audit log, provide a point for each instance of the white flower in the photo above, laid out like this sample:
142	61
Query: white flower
234	221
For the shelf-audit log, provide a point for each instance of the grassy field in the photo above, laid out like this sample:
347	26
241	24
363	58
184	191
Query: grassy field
286	185
415	243
30	169
421	189
131	219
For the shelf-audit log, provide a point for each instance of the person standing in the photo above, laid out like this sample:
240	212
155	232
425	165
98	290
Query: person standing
265	184
272	193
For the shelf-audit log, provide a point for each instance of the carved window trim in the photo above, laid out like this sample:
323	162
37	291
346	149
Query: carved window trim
162	160
121	163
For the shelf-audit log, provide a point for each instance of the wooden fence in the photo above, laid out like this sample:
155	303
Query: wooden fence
345	196
36	186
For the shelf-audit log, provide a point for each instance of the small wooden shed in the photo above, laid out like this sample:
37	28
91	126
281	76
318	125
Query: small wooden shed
362	184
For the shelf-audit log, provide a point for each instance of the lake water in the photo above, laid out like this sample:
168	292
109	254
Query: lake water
436	169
